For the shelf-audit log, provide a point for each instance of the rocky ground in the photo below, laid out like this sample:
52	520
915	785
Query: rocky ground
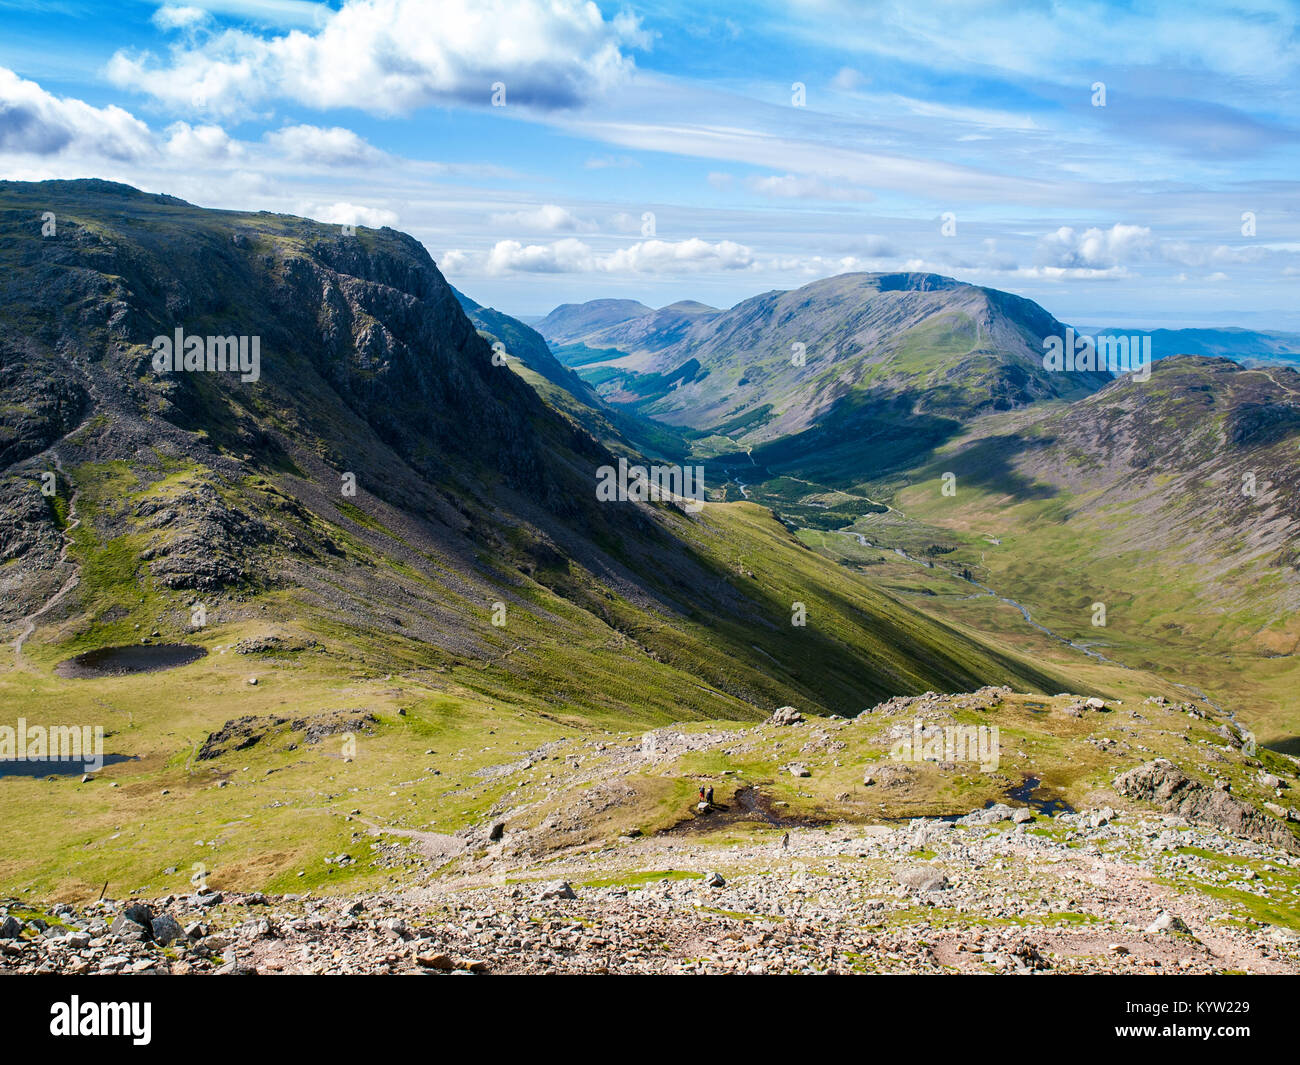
1170	874
997	891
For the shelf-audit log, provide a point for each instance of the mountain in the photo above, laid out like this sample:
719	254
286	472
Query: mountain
413	638
470	490
1247	346
528	345
1173	502
572	321
896	361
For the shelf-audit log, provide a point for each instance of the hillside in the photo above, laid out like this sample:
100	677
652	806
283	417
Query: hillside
470	584
1176	502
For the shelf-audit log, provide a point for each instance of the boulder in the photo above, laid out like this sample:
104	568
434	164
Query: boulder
786	715
712	879
1167	922
557	889
921	878
990	815
166	929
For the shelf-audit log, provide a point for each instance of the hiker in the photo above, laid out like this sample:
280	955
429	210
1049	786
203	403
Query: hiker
708	796
701	793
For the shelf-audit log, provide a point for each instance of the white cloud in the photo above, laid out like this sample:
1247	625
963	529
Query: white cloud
545	219
178	17
334	146
33	121
802	187
394	56
350	214
201	144
571	255
1095	248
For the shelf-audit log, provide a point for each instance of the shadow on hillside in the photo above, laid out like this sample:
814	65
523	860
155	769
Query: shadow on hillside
989	464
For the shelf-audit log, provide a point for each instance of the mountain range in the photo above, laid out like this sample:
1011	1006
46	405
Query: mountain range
403	605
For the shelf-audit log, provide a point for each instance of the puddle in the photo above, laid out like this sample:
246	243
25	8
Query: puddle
133	658
749	804
1047	804
56	766
1029	792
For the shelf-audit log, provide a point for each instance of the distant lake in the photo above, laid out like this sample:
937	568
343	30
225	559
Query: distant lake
132	658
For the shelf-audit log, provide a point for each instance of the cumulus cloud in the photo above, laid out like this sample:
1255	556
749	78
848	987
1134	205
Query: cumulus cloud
36	122
1095	248
545	219
394	56
334	146
571	255
201	144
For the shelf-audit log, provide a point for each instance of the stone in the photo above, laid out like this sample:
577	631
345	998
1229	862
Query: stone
786	715
10	929
991	815
1167	922
713	880
138	912
921	878
443	962
166	929
128	929
798	769
208	898
496	830
557	889
1094	703
1023	815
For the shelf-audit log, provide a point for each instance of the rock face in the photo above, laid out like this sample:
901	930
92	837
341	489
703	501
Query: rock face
1163	783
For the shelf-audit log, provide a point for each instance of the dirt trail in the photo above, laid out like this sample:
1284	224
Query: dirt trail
74	578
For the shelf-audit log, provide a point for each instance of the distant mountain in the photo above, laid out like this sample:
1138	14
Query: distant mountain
573	321
883	365
1240	345
380	488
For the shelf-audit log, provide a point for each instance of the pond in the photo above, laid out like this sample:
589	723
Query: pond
132	658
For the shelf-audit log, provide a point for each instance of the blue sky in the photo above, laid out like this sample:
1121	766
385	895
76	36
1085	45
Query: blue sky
659	151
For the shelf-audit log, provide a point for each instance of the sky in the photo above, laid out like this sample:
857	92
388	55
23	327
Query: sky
1121	163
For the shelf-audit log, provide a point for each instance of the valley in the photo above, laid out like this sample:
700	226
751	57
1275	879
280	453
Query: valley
424	673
